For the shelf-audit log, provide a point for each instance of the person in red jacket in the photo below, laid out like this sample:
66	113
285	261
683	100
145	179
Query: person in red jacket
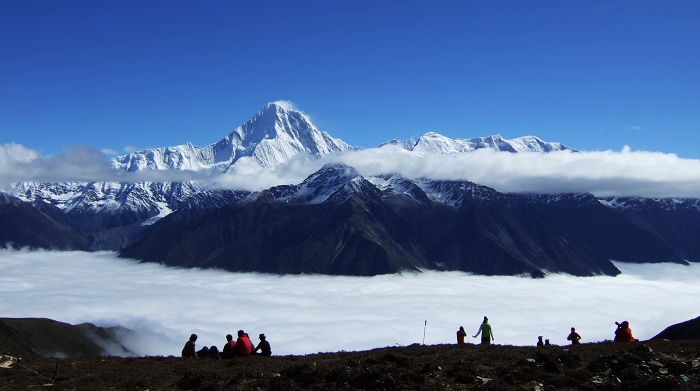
574	337
229	348
243	345
624	332
460	335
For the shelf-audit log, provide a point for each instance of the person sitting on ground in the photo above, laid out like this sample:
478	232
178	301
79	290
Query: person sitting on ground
263	346
460	335
624	332
229	348
486	333
189	350
243	346
213	352
574	337
203	352
539	341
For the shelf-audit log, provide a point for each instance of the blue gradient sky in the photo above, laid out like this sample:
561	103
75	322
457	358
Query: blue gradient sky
594	75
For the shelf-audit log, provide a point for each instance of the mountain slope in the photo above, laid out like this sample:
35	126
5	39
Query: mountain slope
43	226
27	337
336	222
273	136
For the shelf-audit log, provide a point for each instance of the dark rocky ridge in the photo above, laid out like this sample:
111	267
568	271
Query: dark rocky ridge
649	365
654	365
687	330
359	229
40	337
23	225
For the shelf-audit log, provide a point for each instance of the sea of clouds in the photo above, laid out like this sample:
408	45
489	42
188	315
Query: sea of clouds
601	173
303	314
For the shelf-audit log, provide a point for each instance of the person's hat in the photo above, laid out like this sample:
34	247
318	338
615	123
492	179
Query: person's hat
261	336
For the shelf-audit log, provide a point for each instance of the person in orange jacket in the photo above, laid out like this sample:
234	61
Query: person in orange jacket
243	345
460	335
624	332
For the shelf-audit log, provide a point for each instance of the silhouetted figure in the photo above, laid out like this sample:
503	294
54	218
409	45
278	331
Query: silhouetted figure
539	341
460	335
546	343
189	349
243	345
203	352
486	332
213	352
574	337
624	332
229	348
263	346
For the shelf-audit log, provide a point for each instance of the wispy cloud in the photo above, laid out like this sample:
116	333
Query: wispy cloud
602	173
309	313
108	151
634	128
286	104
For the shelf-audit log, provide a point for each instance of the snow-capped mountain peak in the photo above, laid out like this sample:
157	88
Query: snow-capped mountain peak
274	135
432	142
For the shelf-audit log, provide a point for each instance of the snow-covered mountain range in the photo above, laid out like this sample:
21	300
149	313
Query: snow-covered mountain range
432	142
337	221
273	136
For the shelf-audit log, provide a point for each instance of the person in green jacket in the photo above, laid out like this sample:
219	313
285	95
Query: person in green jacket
486	332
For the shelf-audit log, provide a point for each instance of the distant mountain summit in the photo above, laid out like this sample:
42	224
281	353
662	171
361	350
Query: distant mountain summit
432	142
273	136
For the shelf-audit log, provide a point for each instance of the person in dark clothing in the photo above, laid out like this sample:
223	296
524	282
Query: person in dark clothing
203	352
263	346
546	343
229	348
189	349
540	343
243	345
213	352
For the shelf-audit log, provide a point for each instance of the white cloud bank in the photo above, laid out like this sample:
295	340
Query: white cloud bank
602	173
306	314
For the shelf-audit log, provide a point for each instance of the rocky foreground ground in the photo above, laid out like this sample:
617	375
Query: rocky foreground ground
653	365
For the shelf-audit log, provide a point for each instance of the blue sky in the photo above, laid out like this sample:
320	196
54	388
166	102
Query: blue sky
594	75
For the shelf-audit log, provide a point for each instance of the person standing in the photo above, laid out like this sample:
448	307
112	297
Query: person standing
460	335
189	350
574	337
486	332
